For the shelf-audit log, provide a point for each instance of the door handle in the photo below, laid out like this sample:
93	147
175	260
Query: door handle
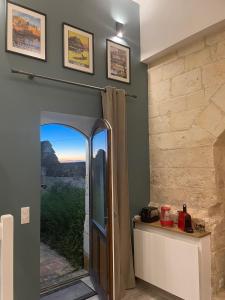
6	257
106	219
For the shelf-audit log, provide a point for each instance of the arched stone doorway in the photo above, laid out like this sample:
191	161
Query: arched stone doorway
64	237
217	213
82	127
210	122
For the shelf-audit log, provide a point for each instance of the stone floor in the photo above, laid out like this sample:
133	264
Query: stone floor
144	291
55	269
220	296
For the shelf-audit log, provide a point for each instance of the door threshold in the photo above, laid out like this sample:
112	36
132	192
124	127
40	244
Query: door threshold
56	287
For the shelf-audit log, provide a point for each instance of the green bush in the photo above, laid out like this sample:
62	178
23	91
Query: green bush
62	221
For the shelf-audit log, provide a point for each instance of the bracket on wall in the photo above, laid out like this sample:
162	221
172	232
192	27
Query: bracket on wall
32	76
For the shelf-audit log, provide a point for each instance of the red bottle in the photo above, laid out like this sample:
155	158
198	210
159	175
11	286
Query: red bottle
181	217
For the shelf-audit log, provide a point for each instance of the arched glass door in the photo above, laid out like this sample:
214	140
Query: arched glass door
101	268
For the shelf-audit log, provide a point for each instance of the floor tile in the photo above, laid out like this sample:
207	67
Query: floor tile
145	291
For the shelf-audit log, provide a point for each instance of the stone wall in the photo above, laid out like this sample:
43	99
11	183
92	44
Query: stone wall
187	140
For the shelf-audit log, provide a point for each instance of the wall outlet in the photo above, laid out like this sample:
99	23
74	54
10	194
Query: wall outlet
25	215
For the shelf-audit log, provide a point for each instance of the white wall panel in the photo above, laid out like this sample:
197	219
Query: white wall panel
166	23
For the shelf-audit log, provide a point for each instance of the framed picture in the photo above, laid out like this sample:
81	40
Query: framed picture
26	31
78	49
118	62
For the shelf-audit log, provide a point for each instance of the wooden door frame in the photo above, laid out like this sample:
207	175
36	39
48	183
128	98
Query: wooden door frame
100	125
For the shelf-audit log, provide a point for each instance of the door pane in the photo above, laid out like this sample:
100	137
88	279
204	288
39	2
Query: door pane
99	158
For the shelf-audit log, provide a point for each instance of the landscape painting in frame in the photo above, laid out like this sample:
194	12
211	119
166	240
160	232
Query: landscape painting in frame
26	31
78	49
118	62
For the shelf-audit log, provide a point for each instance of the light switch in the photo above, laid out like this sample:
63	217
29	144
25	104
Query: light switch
25	215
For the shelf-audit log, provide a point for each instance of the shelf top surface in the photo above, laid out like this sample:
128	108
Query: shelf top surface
174	229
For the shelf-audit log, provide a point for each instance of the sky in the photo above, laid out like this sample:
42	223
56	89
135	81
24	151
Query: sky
99	142
34	21
68	143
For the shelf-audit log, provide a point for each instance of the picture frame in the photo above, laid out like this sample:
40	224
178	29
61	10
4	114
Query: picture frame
26	32
118	62
78	49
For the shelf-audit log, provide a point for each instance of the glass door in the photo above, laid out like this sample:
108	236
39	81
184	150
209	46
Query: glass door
101	211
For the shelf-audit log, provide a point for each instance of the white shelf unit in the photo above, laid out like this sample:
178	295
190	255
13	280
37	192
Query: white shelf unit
6	257
177	263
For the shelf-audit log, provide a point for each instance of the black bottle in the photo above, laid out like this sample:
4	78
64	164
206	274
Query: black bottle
188	222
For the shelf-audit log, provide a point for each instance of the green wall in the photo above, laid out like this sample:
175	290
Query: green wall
21	103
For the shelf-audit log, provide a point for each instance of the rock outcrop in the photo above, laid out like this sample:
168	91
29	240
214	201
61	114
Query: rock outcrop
51	167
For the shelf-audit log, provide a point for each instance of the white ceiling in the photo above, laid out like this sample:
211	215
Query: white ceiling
167	23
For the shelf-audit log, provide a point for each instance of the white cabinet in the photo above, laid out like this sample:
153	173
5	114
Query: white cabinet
175	262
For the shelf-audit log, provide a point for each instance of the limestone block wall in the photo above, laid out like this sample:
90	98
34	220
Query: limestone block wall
187	139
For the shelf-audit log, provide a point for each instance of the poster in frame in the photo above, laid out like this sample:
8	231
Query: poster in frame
26	31
78	49
118	62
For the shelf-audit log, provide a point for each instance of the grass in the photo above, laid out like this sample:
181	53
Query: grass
62	221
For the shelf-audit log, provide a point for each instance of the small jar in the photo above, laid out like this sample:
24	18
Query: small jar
166	218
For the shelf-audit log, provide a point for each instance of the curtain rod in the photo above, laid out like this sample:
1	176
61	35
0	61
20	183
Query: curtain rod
32	76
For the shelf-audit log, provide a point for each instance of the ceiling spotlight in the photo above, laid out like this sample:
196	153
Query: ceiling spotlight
119	29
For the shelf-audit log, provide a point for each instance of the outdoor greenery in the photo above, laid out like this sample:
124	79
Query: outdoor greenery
62	221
